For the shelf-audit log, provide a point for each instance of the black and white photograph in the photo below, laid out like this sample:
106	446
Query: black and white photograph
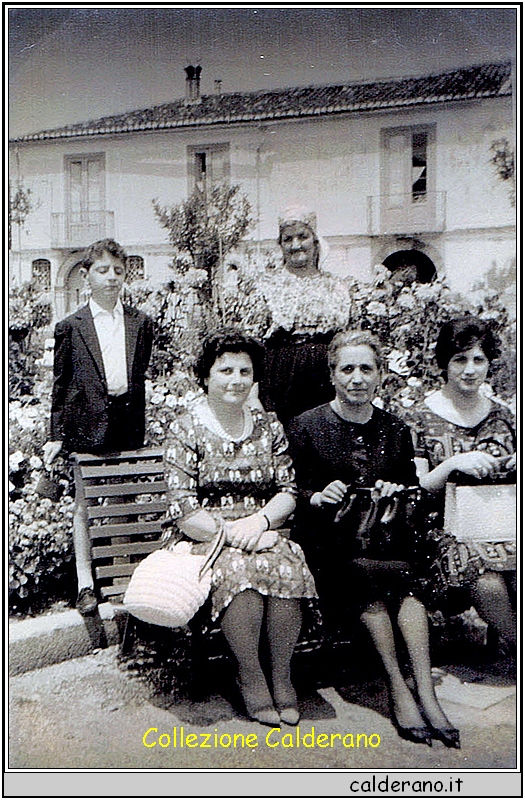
262	332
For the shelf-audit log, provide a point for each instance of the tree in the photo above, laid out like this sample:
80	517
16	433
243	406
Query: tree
20	206
203	229
503	160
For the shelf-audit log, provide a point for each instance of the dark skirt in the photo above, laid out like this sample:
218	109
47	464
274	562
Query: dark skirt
296	375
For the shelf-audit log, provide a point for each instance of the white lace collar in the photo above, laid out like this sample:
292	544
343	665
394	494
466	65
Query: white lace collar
209	420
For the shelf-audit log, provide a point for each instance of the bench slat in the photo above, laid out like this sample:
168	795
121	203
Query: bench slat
126	509
115	570
112	592
125	529
119	470
145	454
115	489
132	549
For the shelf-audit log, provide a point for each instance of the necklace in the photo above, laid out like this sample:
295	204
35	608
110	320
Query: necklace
209	419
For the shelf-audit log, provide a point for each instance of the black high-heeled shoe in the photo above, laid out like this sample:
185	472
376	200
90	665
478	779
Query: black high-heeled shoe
449	736
419	735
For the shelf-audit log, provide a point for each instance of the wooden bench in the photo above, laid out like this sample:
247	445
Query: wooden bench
125	497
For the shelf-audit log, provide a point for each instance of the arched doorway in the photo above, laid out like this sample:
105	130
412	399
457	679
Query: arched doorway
411	266
75	289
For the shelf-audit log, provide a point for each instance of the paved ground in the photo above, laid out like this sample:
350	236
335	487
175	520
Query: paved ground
90	713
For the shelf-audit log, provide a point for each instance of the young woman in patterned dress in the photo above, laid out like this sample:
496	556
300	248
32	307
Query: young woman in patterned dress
228	465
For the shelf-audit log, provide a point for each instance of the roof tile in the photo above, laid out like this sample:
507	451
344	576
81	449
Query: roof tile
486	80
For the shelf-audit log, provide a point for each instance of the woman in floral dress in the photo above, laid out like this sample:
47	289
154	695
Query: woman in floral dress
228	465
305	307
459	429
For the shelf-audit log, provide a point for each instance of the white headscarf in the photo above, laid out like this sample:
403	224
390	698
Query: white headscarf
299	213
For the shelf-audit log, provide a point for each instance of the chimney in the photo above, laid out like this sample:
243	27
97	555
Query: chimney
193	84
218	86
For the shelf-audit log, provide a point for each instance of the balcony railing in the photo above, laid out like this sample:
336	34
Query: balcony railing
406	213
82	228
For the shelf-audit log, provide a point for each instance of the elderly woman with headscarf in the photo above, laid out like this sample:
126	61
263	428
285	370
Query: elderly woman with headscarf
305	306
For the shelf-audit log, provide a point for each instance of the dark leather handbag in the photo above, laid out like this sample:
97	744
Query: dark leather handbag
388	528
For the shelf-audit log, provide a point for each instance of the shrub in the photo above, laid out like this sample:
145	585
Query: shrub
40	542
406	318
29	313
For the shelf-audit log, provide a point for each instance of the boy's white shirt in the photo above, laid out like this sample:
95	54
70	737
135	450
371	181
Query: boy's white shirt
111	334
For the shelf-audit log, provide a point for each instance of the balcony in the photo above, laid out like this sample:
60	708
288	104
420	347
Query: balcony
403	214
74	230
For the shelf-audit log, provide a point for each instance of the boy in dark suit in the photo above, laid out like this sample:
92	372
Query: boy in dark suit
102	352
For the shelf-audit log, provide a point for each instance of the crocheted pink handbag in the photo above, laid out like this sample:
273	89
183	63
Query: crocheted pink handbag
169	586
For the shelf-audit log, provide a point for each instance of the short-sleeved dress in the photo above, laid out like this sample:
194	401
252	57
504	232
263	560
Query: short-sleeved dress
205	468
436	439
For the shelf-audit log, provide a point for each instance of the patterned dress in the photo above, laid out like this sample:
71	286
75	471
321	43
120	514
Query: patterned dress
437	439
233	478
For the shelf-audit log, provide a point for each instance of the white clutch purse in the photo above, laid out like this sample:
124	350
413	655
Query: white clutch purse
485	512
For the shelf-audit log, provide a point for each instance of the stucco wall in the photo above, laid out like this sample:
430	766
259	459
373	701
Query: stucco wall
332	165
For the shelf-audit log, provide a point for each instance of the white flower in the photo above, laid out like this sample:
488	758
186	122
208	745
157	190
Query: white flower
406	402
381	273
171	401
427	291
397	362
376	309
35	462
406	301
156	398
489	314
15	459
413	381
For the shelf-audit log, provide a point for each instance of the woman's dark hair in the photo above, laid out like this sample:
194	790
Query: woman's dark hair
354	339
462	334
97	250
227	340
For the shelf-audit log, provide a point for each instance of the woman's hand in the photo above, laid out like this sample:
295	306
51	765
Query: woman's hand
477	463
331	494
508	463
51	450
245	533
266	541
386	488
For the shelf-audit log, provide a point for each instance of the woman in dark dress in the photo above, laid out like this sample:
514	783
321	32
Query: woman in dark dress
337	448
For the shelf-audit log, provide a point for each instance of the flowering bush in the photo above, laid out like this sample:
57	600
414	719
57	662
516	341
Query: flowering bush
29	313
406	319
40	543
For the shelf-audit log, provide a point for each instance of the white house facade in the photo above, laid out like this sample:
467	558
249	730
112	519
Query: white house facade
394	170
